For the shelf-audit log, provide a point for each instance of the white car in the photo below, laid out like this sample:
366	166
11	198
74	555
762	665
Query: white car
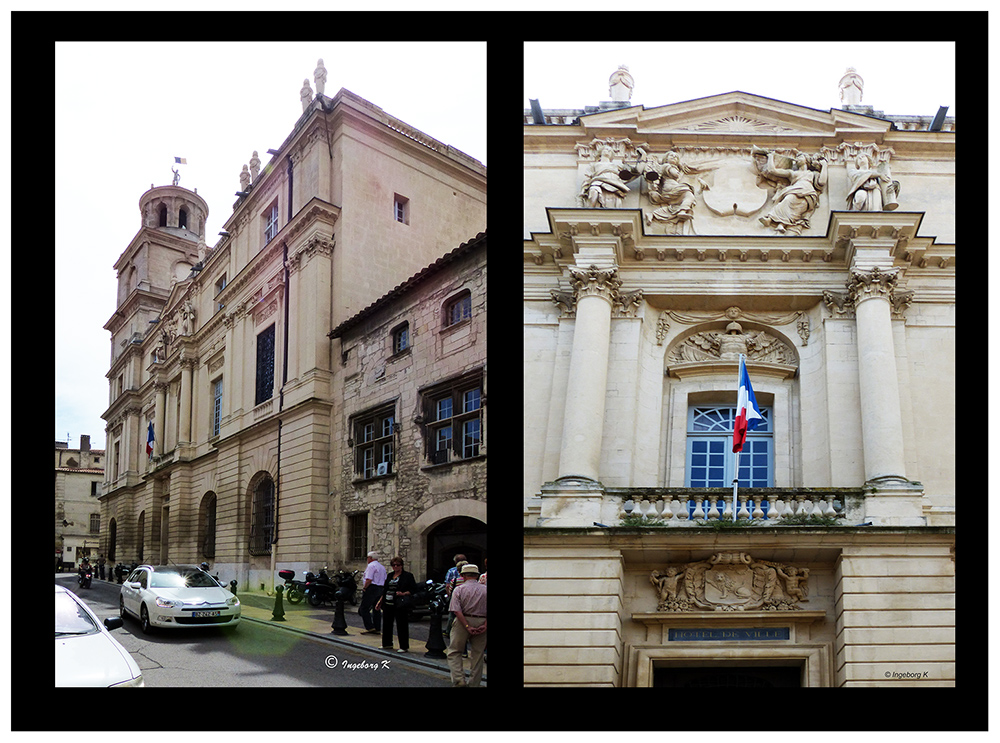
86	653
177	596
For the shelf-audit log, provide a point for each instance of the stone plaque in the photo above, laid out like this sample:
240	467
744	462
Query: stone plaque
733	634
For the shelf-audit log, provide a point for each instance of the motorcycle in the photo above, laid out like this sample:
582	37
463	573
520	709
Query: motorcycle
295	590
343	586
86	577
348	583
431	598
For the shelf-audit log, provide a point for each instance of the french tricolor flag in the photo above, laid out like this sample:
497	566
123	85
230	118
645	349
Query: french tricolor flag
149	440
747	410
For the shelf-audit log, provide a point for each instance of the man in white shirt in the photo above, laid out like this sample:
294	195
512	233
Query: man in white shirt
372	590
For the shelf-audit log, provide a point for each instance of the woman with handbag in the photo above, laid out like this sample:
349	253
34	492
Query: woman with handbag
397	599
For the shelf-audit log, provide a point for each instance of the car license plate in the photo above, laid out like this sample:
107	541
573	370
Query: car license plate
206	613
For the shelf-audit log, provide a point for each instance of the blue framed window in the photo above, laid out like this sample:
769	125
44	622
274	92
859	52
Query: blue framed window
710	449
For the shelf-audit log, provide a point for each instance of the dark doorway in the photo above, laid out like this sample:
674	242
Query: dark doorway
460	535
731	676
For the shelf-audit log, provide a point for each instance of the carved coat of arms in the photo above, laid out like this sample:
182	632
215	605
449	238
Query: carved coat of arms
730	581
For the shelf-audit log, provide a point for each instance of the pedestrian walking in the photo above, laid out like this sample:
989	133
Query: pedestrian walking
397	598
374	581
468	603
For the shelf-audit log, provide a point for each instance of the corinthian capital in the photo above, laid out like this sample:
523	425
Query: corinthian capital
876	284
597	282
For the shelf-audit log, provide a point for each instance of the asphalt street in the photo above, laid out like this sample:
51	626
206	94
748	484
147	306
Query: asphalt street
255	653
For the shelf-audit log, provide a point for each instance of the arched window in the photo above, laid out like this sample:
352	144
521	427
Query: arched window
140	536
206	525
262	516
112	540
182	218
163	215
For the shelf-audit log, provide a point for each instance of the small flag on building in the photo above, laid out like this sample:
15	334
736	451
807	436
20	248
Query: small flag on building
747	411
149	440
181	160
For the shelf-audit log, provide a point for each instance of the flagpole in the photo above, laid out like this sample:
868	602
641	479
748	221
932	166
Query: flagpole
736	455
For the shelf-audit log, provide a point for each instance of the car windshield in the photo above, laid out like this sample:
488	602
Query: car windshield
181	579
71	618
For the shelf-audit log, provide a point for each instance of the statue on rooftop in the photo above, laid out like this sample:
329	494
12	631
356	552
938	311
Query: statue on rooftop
620	84
245	179
852	87
177	175
320	76
306	94
254	167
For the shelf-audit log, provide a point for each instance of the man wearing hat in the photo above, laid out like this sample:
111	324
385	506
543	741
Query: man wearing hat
468	602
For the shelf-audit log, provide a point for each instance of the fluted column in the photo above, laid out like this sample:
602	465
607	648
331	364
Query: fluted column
881	419
583	423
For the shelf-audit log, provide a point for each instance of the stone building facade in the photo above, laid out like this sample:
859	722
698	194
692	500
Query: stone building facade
663	243
410	440
79	477
225	351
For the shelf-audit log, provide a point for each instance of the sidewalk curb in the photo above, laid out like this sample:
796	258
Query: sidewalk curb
413	657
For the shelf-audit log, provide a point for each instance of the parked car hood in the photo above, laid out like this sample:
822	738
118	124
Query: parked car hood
194	595
92	660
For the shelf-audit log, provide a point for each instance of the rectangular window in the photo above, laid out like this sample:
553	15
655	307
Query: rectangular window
374	442
271	223
95	523
216	407
357	525
219	286
455	421
710	456
401	208
401	338
265	366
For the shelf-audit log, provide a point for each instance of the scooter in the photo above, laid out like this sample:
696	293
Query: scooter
86	577
295	590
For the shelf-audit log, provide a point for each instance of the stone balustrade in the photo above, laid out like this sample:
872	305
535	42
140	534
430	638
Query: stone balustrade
692	506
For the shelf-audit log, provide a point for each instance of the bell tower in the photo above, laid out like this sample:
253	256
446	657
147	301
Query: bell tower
163	252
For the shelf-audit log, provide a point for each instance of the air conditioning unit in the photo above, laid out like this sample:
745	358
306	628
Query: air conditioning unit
382	469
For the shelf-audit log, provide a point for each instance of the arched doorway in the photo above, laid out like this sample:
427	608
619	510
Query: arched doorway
457	535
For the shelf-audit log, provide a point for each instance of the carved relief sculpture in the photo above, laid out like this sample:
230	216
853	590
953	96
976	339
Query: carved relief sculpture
674	196
713	344
730	581
871	188
602	184
799	180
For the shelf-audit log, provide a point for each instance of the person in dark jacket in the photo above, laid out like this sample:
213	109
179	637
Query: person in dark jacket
397	597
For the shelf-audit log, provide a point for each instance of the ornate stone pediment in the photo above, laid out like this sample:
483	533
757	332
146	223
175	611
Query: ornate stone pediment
730	581
733	113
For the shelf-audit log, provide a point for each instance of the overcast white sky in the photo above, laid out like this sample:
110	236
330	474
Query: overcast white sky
125	110
900	77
